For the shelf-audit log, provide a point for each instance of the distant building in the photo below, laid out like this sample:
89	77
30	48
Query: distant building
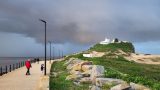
115	40
87	55
106	41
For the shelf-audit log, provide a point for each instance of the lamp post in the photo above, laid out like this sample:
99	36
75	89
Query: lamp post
50	50
62	53
59	52
45	45
53	53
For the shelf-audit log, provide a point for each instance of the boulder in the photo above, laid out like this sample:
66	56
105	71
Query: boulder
97	71
73	77
70	66
87	73
86	63
76	61
123	86
68	61
138	87
78	66
73	64
77	83
85	80
75	72
95	88
86	67
110	81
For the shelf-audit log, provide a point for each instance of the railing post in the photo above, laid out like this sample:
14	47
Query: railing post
16	65
13	66
1	71
6	69
19	64
10	68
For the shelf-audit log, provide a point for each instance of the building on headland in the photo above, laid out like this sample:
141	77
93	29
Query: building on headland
108	41
87	55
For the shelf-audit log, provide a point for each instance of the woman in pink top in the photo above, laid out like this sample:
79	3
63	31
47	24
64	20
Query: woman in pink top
28	66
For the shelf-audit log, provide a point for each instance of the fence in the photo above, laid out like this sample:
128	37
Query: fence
12	67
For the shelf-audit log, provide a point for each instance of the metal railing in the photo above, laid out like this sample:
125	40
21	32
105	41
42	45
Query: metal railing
11	67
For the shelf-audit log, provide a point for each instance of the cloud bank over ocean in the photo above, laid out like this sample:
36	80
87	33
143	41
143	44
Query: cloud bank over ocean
82	21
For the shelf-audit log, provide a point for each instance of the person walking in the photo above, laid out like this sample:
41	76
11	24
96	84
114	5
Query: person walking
42	67
28	66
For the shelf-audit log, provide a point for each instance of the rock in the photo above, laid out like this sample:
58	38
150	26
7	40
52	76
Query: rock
86	67
76	61
85	80
73	64
95	88
123	86
68	61
97	71
138	87
87	73
86	63
77	83
78	66
75	72
70	66
73	77
110	81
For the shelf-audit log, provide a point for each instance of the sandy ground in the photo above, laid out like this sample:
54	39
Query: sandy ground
17	80
146	59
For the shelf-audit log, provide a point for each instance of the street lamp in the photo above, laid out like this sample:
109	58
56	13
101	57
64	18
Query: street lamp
59	52
53	53
45	45
62	53
50	50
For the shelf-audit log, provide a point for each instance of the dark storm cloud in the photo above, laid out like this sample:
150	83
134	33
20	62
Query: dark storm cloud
82	21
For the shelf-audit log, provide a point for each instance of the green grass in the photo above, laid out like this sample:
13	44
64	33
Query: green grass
126	47
59	82
148	75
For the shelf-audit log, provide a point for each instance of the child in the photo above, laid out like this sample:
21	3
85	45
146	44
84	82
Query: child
42	67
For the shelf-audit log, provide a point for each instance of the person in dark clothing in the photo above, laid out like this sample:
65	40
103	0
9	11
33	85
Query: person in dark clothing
42	67
38	60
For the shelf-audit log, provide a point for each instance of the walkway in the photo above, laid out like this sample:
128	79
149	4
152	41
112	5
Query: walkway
17	80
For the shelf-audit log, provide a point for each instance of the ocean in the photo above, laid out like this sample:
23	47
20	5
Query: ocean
7	61
11	60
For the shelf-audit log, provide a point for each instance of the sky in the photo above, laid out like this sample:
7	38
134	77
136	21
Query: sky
75	25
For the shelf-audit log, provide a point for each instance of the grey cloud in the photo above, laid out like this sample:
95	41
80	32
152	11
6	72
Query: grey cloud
82	21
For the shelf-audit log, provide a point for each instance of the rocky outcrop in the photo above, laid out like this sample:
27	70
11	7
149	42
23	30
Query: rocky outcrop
110	81
85	72
138	87
123	86
97	71
74	77
95	88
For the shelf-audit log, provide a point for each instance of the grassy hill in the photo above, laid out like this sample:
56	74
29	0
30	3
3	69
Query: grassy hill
126	47
119	67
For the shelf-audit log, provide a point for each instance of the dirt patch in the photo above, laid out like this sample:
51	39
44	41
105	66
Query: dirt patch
142	58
